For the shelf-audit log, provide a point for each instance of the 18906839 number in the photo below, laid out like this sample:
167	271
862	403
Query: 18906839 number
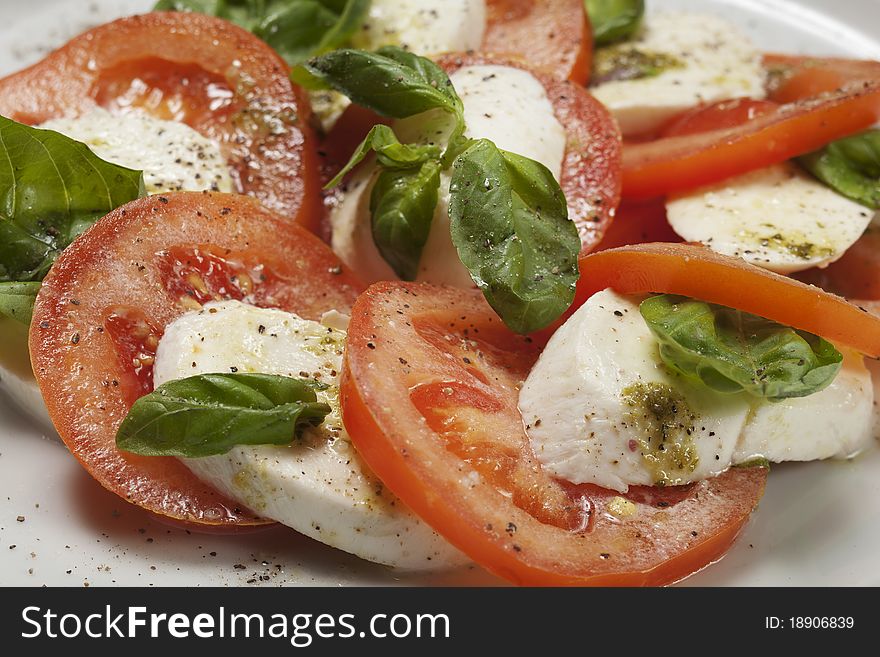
821	622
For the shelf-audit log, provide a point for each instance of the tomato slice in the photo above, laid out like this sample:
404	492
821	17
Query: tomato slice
550	35
638	222
796	77
429	394
857	274
591	167
679	163
107	300
716	116
221	80
696	271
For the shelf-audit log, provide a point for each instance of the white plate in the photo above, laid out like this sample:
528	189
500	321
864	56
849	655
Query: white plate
818	524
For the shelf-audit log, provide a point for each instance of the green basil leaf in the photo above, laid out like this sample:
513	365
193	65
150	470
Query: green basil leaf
210	414
731	351
17	300
510	225
614	20
390	153
296	29
392	83
402	207
52	188
850	166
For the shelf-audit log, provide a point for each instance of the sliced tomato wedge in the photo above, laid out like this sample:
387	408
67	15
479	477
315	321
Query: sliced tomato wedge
106	302
696	271
716	116
221	80
429	394
550	35
591	167
795	77
678	163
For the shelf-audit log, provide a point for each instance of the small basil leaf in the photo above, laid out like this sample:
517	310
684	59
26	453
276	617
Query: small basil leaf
510	225
614	20
731	351
390	153
398	87
52	188
210	414
402	206
850	166
296	29
17	300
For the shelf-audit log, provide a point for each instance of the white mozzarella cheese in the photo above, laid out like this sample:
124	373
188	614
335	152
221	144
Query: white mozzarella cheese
16	376
504	104
318	485
426	27
599	401
779	218
173	156
715	61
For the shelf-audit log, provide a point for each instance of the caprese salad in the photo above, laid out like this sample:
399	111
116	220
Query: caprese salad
575	278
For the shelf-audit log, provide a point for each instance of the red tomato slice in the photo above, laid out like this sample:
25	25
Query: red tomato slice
716	116
591	166
638	222
698	272
679	163
549	35
219	79
429	394
794	77
107	300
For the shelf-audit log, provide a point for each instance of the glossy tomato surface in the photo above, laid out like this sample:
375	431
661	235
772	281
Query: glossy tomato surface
218	78
429	396
107	300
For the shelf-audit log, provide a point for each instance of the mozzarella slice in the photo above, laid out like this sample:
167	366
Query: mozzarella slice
173	156
318	485
504	104
599	399
425	27
779	218
716	62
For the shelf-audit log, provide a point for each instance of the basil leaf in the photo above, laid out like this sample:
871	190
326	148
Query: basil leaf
392	83
51	189
402	207
730	351
510	225
390	153
614	20
17	300
296	29
850	166
210	414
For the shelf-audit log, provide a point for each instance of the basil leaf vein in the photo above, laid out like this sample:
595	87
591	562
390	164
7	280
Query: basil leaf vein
850	166
732	351
510	225
296	29
209	414
52	188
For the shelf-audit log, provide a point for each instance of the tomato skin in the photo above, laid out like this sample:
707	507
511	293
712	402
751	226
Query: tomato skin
679	163
221	80
435	399
696	271
716	116
85	372
549	35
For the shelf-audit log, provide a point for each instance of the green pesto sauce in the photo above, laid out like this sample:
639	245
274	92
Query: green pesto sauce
801	249
626	62
666	424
